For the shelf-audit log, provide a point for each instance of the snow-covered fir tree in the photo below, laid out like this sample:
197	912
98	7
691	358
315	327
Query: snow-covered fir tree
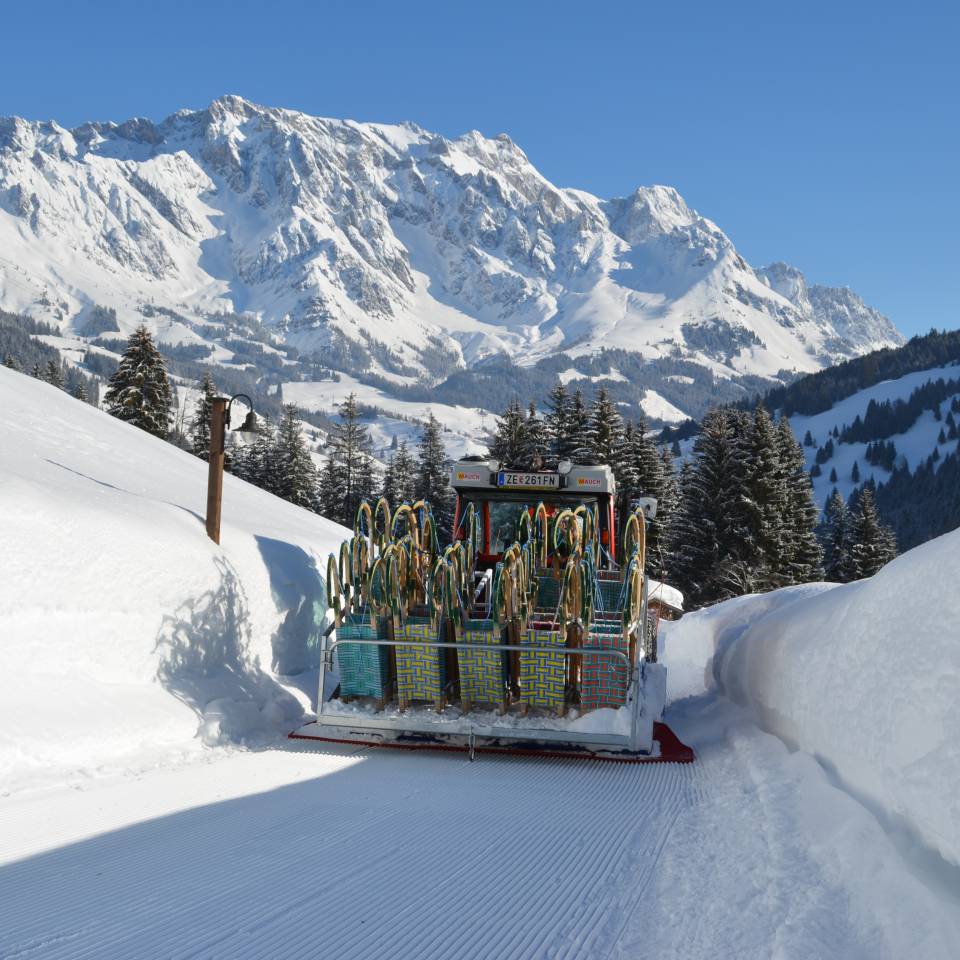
296	474
659	553
624	466
835	534
139	391
255	462
433	478
200	424
746	519
764	505
347	477
801	558
650	481
534	445
604	428
508	439
400	477
558	423
11	362
706	532
577	426
53	374
80	392
872	544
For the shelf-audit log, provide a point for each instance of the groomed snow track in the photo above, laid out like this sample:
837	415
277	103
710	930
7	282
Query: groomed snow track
431	856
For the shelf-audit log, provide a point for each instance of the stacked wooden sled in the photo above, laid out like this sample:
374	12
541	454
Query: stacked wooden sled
430	649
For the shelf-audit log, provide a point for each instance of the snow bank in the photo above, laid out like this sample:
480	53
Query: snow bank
124	631
865	676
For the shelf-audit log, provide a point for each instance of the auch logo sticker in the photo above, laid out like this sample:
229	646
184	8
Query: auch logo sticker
588	482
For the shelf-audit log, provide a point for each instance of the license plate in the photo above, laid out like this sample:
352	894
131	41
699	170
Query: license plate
529	481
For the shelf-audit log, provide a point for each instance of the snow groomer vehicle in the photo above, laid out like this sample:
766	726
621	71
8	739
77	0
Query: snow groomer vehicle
532	632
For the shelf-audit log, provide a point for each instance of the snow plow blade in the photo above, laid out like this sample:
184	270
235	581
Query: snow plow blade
667	747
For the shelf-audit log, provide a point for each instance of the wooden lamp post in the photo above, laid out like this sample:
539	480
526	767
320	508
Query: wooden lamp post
219	423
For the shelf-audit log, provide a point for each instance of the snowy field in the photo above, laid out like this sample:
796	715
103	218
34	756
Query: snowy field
128	641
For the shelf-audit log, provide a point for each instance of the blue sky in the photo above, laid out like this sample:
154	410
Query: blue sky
826	135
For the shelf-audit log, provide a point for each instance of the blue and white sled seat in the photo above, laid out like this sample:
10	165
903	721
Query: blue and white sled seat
364	669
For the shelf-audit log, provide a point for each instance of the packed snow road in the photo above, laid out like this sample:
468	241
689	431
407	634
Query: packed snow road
750	852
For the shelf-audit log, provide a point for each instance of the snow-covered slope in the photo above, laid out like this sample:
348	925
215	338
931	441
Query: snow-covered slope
913	445
386	248
123	629
864	676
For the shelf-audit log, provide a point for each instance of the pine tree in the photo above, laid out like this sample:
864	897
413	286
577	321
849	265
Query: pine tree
765	548
347	477
872	544
709	525
295	469
36	372
433	478
11	362
641	474
802	556
139	392
836	536
577	431
557	422
399	479
255	462
625	471
508	440
200	425
53	374
534	444
604	429
659	558
833	475
80	392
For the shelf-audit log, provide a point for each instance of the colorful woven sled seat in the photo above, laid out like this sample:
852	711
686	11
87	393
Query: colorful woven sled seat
543	674
421	668
604	680
548	593
612	595
483	673
364	670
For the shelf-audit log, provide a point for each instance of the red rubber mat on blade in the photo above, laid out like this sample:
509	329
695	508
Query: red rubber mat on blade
672	749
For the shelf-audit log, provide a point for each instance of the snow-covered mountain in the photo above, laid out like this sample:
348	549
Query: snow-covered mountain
385	249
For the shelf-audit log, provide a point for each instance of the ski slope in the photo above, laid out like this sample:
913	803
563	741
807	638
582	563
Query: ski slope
152	812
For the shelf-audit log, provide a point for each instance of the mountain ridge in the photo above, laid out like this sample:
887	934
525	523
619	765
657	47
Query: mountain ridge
387	249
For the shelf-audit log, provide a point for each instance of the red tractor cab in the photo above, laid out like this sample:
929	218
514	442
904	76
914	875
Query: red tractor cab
501	494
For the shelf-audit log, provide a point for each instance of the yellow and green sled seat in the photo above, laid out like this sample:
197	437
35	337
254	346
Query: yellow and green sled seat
484	674
543	674
421	668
